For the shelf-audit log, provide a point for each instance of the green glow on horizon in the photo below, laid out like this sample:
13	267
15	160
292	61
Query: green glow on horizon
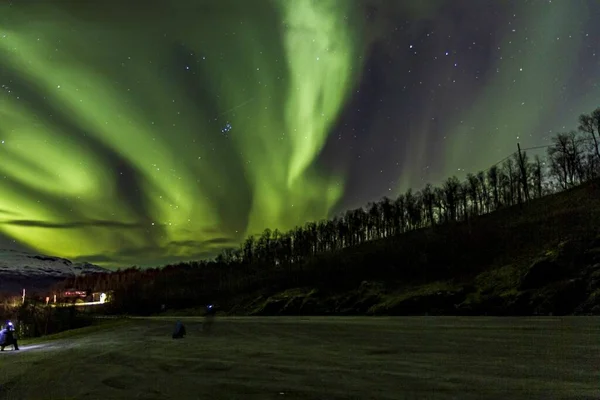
280	80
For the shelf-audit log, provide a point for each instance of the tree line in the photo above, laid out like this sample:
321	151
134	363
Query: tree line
572	158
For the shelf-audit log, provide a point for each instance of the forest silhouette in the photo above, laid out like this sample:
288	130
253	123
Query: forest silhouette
507	214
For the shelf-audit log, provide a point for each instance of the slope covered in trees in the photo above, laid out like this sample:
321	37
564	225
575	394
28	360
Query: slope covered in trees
448	235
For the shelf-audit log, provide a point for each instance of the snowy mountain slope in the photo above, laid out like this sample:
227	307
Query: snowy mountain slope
38	272
16	262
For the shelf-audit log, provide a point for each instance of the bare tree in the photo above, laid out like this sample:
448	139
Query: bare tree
473	192
428	197
400	213
511	182
590	124
492	178
440	205
485	195
565	157
412	209
537	176
451	188
522	163
387	210
463	201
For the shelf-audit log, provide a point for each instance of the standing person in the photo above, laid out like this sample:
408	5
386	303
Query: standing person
3	332
7	337
209	317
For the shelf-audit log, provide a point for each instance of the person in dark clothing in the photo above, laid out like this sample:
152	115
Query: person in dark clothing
179	332
209	317
7	337
211	311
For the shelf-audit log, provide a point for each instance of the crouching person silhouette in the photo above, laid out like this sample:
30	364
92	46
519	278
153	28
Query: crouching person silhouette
179	332
7	337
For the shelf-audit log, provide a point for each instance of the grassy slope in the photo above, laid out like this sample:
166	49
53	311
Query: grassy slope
315	358
466	268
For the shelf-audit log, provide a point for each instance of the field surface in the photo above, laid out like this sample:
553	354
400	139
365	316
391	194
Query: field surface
314	358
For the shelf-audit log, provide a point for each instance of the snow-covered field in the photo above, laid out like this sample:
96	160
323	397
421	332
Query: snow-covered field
315	358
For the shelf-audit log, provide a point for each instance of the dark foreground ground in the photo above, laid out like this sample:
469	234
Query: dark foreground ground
315	358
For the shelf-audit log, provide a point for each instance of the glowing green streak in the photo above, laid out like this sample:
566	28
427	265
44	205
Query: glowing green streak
118	126
320	54
280	87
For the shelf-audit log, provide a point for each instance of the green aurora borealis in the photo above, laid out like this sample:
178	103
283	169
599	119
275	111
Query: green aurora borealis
64	168
111	122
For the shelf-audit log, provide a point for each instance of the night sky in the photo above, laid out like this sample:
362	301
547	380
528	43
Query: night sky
143	135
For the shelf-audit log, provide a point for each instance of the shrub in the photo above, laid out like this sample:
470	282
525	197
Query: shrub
34	320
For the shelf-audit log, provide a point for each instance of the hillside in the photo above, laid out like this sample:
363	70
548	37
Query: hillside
36	272
539	258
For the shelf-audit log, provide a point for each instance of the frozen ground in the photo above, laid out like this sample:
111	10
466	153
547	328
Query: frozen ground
315	358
